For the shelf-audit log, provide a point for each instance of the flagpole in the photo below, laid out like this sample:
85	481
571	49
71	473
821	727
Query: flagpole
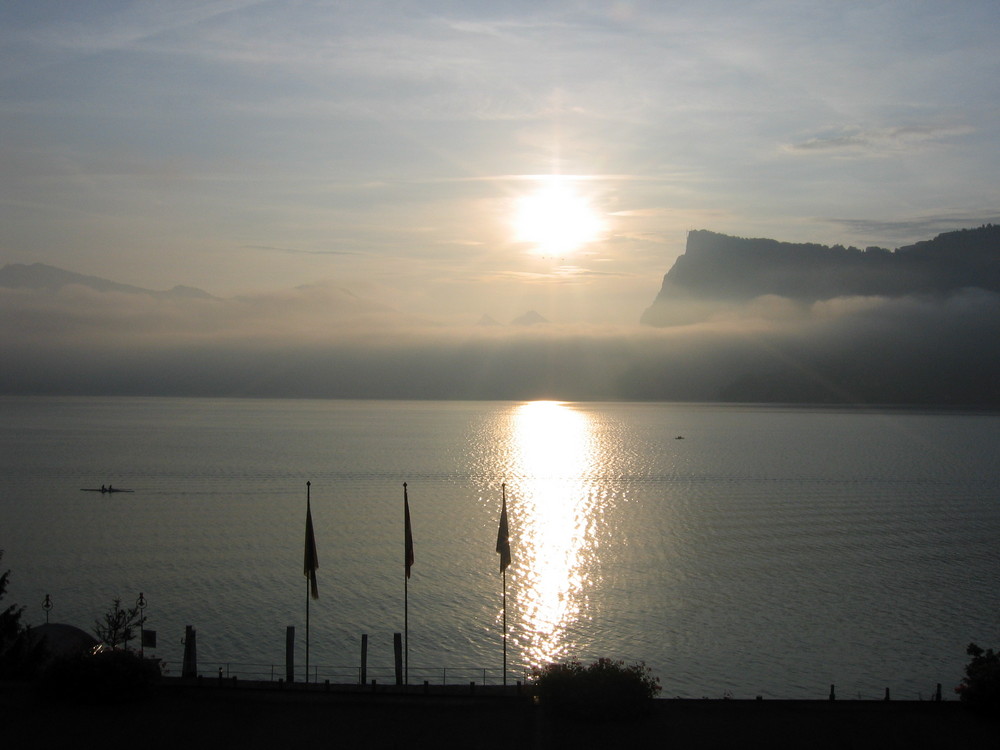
407	547
308	588
505	627
310	561
504	560
503	549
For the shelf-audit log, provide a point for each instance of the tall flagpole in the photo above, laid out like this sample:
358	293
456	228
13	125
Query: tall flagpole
308	529
407	563
503	548
504	573
310	561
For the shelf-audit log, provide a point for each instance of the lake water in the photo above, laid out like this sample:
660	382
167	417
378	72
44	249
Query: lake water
770	551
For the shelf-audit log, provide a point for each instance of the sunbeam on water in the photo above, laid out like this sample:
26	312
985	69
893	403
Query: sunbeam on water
553	452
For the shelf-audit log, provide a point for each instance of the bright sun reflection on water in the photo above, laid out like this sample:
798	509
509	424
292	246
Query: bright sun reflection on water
553	451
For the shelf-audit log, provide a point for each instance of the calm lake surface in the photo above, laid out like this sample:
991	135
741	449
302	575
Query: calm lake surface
771	551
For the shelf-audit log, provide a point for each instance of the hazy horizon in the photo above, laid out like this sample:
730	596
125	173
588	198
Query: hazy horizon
320	341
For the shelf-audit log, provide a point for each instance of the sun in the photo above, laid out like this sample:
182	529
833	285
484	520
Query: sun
556	218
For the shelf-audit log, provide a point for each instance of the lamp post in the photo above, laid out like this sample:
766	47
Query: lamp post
47	606
140	603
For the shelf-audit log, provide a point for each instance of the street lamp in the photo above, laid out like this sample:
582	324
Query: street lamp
140	604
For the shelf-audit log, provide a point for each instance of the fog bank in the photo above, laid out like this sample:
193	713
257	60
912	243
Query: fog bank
323	342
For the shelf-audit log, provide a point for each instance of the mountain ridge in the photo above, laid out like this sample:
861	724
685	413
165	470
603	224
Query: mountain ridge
43	277
722	268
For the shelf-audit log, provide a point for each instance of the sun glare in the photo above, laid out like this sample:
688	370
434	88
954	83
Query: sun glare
554	453
556	218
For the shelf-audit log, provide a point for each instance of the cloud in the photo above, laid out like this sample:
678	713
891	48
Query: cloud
878	140
297	251
921	226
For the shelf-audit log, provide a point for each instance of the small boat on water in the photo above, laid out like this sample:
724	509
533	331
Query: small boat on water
103	489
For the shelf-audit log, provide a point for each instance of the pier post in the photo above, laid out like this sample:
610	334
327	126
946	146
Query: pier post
290	653
190	665
397	647
364	659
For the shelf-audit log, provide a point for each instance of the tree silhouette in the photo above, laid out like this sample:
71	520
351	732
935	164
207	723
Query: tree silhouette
119	625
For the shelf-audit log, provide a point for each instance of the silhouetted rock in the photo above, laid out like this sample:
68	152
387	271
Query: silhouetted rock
717	268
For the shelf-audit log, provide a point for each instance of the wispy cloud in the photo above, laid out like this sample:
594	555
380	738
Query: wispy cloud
923	227
296	251
880	140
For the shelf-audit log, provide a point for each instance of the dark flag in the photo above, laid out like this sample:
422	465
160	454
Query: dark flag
503	536
310	559
408	542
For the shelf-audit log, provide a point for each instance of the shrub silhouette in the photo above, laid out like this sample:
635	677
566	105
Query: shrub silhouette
607	689
17	658
980	688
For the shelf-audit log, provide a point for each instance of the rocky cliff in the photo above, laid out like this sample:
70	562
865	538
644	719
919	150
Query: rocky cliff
717	268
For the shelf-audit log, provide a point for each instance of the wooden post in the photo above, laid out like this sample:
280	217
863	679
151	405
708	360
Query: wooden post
364	659
833	693
397	647
290	653
190	667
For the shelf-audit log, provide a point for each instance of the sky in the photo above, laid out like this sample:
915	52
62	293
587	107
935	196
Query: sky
444	161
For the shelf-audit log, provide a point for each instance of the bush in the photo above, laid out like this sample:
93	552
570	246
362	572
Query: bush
980	688
105	677
15	656
606	689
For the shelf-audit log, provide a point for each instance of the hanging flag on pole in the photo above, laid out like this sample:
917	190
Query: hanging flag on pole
408	541
503	549
310	558
503	537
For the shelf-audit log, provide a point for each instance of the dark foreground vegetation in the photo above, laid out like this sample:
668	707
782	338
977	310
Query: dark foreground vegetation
186	714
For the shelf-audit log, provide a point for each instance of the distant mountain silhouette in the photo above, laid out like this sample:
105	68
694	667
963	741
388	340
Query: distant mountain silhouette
42	277
488	321
530	318
717	267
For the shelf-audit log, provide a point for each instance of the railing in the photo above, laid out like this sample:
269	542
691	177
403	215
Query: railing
348	675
